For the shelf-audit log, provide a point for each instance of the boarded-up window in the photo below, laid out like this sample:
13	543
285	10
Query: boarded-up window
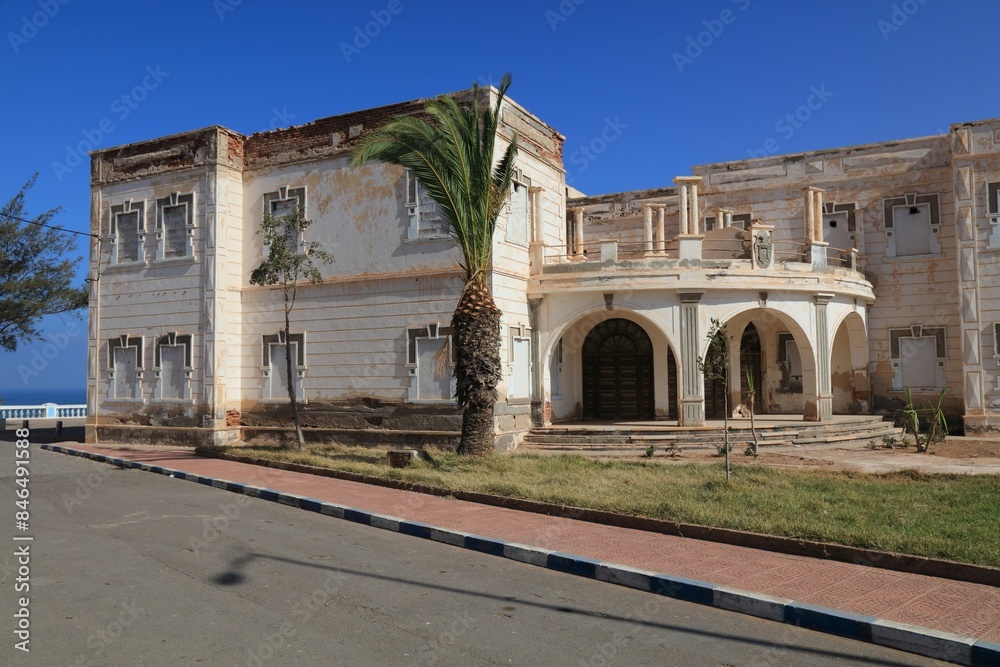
426	220
275	366
518	214
172	366
912	222
918	356
284	202
433	369
520	368
278	371
127	237
912	229
125	367
918	362
172	374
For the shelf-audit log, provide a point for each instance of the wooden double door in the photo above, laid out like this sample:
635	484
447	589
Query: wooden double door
618	372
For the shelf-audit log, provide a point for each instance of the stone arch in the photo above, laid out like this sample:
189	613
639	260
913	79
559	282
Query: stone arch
849	365
618	368
769	323
568	338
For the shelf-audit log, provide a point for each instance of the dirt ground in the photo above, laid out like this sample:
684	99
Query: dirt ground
966	455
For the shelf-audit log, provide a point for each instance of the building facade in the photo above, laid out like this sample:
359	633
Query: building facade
845	276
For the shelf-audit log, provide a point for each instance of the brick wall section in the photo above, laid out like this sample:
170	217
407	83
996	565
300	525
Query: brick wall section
157	156
316	140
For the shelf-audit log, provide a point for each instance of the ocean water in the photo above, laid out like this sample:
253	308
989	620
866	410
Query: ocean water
16	396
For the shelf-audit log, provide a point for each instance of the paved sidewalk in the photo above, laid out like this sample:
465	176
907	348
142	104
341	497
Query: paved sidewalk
971	611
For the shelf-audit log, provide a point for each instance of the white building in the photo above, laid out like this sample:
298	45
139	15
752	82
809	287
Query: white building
845	276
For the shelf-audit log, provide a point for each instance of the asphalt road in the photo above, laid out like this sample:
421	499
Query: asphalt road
132	568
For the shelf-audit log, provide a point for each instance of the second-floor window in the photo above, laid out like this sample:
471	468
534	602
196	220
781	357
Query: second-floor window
993	207
127	231
911	225
285	201
519	209
174	226
426	221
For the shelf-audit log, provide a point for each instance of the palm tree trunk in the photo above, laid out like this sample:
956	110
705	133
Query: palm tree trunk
476	327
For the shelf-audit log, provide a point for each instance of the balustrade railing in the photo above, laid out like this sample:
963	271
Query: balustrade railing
44	411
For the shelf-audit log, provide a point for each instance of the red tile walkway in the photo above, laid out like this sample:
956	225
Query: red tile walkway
971	610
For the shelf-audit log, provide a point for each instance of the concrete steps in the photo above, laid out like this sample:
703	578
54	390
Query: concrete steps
585	438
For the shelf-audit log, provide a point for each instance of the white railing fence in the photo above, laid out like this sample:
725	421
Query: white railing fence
43	411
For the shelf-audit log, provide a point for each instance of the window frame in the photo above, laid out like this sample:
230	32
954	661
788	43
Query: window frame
173	339
128	207
912	200
125	341
519	181
175	200
299	367
519	332
287	193
918	331
993	214
415	230
430	331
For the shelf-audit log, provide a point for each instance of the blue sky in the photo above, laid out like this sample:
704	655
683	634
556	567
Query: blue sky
641	90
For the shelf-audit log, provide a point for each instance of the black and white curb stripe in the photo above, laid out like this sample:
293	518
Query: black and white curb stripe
913	639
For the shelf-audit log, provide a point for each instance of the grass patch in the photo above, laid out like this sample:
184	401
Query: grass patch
956	517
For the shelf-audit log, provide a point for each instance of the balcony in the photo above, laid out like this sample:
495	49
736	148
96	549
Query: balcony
633	250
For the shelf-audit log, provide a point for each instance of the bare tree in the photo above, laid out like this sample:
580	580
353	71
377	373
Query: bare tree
289	263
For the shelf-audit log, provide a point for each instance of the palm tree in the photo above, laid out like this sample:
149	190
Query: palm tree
451	153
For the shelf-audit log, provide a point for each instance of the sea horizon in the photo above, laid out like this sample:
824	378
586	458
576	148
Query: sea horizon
30	396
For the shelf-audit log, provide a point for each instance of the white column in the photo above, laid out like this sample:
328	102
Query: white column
683	209
695	215
810	217
647	211
661	229
578	231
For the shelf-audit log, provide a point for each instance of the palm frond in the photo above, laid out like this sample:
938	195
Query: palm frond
451	154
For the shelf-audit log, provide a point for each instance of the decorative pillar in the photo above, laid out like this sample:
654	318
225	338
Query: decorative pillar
694	217
683	195
661	228
578	231
824	398
690	239
814	228
647	211
537	377
692	412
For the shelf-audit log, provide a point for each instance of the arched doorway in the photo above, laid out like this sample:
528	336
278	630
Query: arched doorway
618	372
750	364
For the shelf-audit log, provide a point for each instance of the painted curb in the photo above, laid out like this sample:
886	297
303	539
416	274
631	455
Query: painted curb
910	638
